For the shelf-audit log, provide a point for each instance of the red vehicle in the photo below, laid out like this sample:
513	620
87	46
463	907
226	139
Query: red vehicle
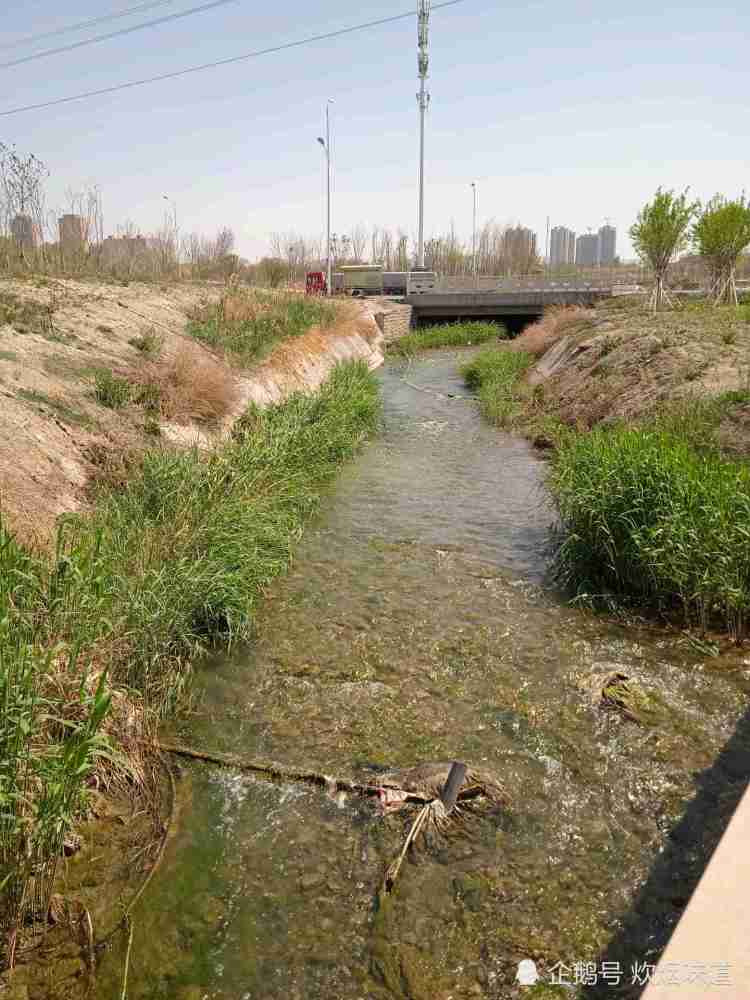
315	283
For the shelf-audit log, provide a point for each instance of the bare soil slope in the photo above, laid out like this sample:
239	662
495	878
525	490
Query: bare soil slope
622	362
56	335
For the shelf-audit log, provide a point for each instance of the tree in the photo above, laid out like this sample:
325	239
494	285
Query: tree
22	199
720	235
660	233
358	241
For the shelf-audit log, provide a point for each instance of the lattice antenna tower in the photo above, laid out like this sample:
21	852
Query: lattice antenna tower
423	100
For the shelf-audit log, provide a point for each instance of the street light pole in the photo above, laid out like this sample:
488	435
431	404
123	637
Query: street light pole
173	203
474	233
326	144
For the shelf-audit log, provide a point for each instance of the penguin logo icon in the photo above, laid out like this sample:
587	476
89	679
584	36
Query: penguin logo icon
527	974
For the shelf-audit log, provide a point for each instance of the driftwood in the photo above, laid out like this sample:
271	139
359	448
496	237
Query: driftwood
437	803
272	769
437	811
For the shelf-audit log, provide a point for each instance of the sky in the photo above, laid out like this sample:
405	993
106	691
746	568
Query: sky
575	111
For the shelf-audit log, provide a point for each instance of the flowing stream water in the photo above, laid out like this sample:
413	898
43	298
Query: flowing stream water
415	624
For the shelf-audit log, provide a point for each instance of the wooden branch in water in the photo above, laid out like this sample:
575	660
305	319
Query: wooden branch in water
273	769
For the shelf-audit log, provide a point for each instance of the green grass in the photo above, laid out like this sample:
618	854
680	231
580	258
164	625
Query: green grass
246	328
112	391
649	516
50	740
157	574
495	374
66	413
462	334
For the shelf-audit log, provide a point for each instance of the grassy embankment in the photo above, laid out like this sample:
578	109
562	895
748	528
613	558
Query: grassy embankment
246	327
97	635
464	333
653	510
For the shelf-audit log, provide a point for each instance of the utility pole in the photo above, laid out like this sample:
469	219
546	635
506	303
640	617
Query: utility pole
423	99
546	250
474	233
326	144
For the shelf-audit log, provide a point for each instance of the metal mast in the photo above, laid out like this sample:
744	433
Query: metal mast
423	99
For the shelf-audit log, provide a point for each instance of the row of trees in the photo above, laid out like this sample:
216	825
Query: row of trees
718	232
31	238
499	250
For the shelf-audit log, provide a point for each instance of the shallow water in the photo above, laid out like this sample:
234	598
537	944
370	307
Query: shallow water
415	624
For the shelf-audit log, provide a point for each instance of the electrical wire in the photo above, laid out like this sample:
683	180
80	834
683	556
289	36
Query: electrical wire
221	62
80	25
116	34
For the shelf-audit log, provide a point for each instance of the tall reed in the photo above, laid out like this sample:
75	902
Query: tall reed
649	516
134	590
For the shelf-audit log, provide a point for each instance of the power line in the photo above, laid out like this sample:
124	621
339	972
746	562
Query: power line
29	39
221	62
116	34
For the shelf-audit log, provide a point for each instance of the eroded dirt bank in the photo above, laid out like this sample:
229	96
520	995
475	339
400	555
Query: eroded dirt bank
622	362
55	335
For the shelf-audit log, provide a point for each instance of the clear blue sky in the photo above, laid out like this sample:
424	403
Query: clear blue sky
574	110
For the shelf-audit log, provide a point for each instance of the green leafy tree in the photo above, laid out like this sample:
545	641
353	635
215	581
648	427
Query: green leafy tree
660	233
720	235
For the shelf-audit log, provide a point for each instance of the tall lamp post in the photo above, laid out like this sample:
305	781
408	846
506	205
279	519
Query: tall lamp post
173	203
326	144
474	233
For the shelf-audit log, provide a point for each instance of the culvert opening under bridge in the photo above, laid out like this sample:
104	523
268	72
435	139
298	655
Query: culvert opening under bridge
514	323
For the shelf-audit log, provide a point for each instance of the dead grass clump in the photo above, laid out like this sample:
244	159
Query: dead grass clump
545	333
192	386
112	465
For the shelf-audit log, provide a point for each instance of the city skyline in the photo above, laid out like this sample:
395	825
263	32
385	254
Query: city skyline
237	145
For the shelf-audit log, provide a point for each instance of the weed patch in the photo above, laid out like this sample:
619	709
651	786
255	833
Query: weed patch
112	391
495	375
246	326
649	516
149	343
462	334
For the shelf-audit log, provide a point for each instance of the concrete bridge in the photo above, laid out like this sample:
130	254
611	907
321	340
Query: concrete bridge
527	302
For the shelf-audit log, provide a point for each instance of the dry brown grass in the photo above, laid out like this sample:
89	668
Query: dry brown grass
192	386
545	333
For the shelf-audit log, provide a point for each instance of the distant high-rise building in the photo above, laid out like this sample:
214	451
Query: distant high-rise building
607	245
562	246
587	250
23	231
519	248
71	232
117	249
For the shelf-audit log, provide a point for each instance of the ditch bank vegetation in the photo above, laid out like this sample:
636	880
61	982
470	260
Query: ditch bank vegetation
648	420
163	552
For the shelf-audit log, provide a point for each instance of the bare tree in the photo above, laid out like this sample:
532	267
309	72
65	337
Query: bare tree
23	198
358	241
